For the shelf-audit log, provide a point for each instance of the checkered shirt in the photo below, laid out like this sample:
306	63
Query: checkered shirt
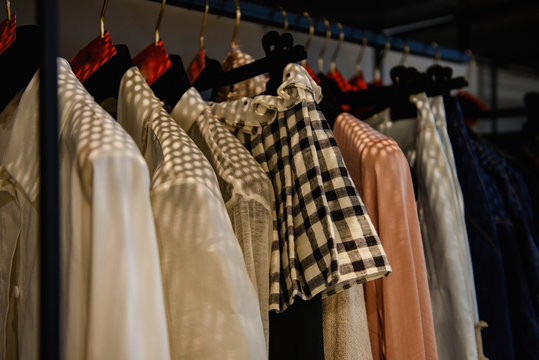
327	241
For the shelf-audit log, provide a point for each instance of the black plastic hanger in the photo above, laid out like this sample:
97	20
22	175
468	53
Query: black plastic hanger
105	81
205	80
279	53
170	86
18	63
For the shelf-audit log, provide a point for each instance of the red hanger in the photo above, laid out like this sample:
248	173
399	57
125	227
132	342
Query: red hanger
95	54
7	30
153	61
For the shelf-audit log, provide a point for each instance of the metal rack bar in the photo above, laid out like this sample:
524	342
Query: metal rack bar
49	172
271	16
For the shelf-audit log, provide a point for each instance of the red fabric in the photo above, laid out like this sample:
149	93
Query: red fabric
7	33
313	74
92	56
153	61
358	81
196	66
344	85
470	104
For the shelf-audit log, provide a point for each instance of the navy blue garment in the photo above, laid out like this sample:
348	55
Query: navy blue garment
488	264
519	250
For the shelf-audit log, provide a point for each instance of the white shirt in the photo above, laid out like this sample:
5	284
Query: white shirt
112	304
19	241
212	307
246	189
445	240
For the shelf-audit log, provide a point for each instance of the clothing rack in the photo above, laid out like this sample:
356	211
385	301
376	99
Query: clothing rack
49	171
267	15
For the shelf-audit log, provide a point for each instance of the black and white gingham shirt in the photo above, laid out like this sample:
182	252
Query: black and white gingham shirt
326	239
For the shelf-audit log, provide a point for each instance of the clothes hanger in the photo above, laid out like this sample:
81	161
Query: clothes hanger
100	65
332	66
442	81
377	81
279	50
306	47
164	73
7	29
198	63
153	61
323	50
203	68
405	53
19	58
357	80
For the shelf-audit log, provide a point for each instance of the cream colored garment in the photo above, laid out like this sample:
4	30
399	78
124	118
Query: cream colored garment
212	307
245	187
19	242
398	307
445	241
112	303
253	86
345	328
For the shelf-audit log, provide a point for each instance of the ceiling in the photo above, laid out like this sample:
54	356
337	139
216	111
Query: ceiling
500	32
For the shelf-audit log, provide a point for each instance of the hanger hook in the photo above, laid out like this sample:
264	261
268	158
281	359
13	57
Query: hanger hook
471	64
237	25
285	19
158	24
311	30
361	52
203	28
8	9
336	52
436	52
323	50
101	17
387	47
405	52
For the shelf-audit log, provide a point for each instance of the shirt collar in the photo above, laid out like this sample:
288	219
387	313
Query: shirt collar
251	114
21	156
189	108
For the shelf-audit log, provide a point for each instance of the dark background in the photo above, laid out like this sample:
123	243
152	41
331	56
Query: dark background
500	32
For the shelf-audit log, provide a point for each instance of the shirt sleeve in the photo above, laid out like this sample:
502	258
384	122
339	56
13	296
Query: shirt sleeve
126	313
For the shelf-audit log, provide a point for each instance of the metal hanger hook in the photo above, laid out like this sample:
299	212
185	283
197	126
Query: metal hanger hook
323	50
405	52
203	27
339	44
101	18
237	25
158	24
387	47
8	9
285	19
361	52
311	30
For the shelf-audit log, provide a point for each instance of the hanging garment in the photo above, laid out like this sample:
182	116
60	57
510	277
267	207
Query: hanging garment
255	85
109	254
445	241
521	257
212	306
482	210
246	190
327	241
399	306
19	245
